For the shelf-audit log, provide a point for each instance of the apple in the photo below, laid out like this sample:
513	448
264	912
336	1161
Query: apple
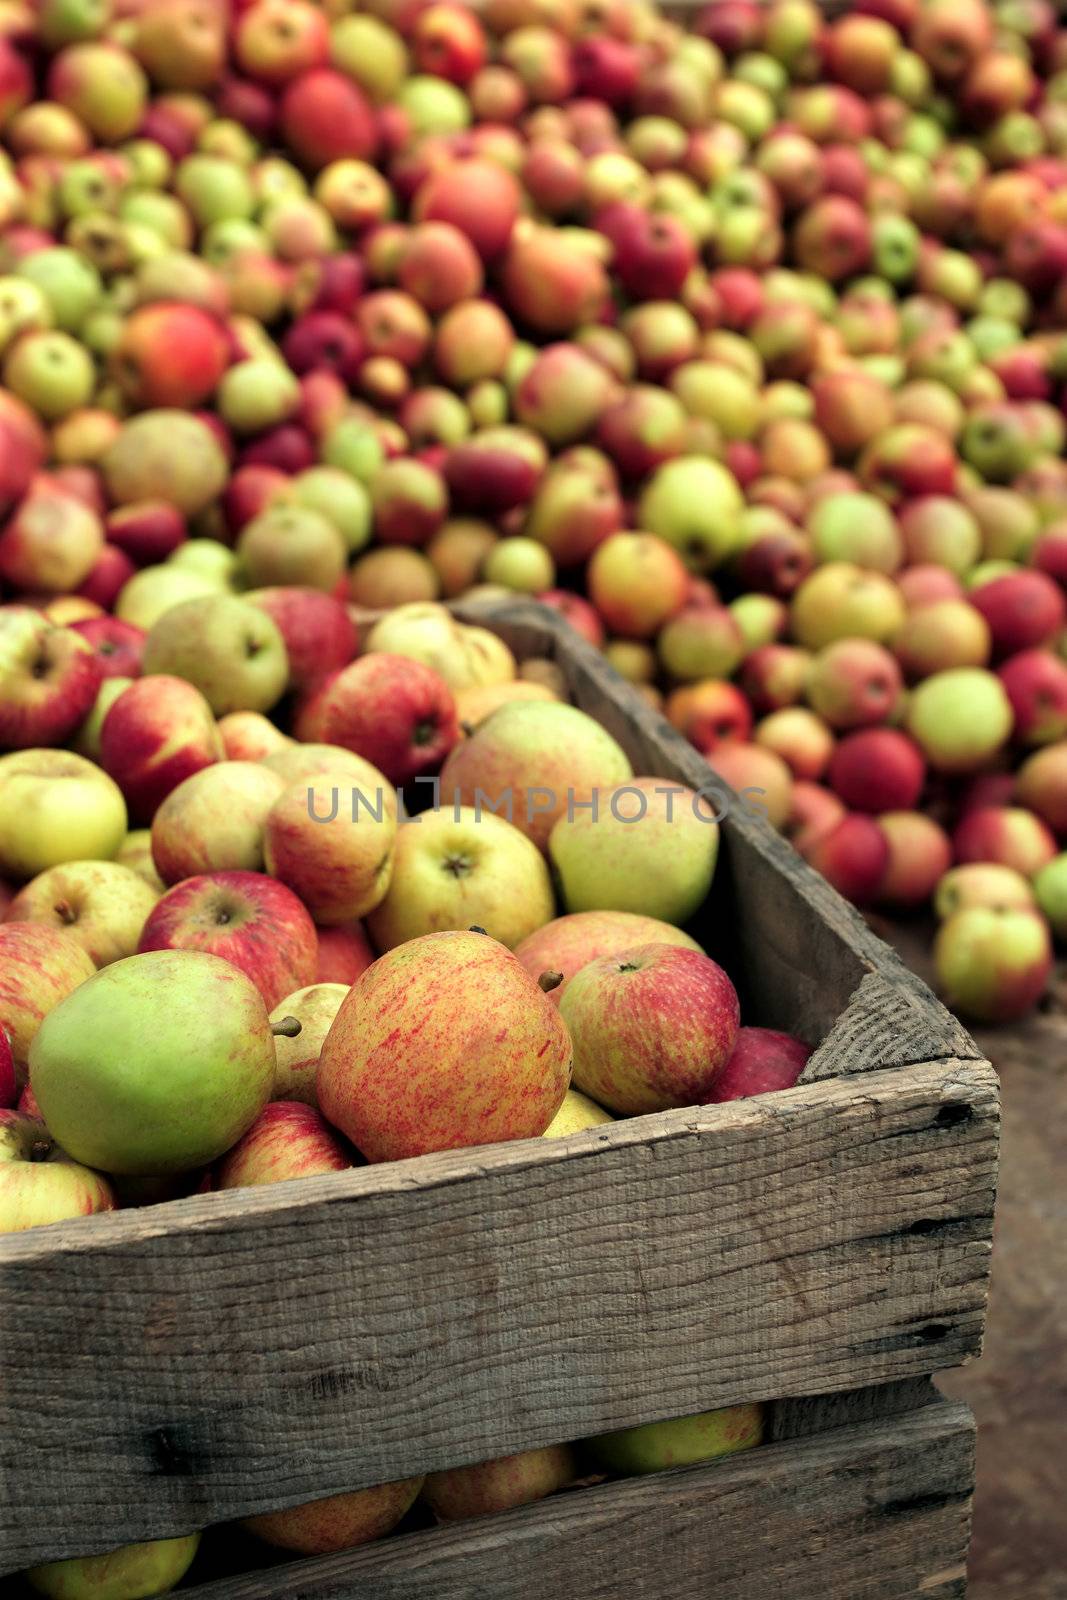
157	733
474	705
878	769
762	1060
344	953
701	641
984	883
246	918
695	505
250	736
49	678
842	601
708	713
500	1484
575	1114
332	843
570	942
852	855
461	654
650	847
920	853
214	821
401	1074
680	1442
959	718
651	1027
338	1522
942	635
1024	609
165	455
637	583
1009	836
52	541
802	739
938	530
129	1101
458	867
1036	684
1042	785
9	1092
135	852
151	592
101	904
856	528
153	1567
55	806
534	761
39	1183
773	676
231	651
318	634
119	645
39	967
1050	890
314	1007
393	711
760	778
993	963
287	1140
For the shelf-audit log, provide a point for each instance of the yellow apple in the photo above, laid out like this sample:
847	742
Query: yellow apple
56	806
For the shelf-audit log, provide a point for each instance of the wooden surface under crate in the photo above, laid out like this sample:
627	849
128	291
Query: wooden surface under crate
173	1367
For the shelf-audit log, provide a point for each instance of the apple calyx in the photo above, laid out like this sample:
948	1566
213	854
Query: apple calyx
287	1027
549	981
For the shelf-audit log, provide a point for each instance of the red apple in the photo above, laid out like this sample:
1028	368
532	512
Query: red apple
49	678
395	713
853	856
920	854
287	1140
119	645
1023	609
1036	684
344	953
761	1061
157	733
878	769
248	919
320	636
1006	835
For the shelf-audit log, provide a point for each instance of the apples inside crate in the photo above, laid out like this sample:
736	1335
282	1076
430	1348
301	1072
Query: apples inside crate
823	1248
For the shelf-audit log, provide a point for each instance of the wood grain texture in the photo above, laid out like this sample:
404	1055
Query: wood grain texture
876	1511
193	1362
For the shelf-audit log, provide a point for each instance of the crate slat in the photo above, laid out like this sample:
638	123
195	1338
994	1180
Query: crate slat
876	1511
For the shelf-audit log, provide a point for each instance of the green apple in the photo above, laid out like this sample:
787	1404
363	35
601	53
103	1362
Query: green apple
982	883
696	505
576	1112
257	394
959	718
56	806
679	1442
86	740
353	447
374	55
1050	887
291	545
521	564
101	904
51	372
214	189
151	593
128	1098
337	496
38	1182
71	285
165	455
458	868
152	1568
314	1007
207	557
230	650
993	964
651	848
214	821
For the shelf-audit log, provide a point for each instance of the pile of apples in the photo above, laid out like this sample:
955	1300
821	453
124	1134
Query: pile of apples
740	345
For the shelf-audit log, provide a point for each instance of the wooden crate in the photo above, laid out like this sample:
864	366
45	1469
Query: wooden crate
824	1247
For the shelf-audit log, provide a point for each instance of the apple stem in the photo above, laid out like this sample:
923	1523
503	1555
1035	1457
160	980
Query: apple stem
41	1148
287	1027
549	981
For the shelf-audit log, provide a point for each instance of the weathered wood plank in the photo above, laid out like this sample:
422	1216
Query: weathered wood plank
188	1363
875	1511
886	1024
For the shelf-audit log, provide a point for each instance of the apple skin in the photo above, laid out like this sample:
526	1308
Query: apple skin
500	1484
411	1066
1008	836
214	821
52	541
658	859
135	852
100	904
530	746
395	712
232	652
570	942
763	1059
1041	785
651	1027
9	1091
1036	685
208	1070
637	583
49	678
681	1442
920	854
314	1007
56	806
134	1569
1050	888
852	855
759	777
332	843
339	1522
344	954
945	634
245	918
575	1114
250	736
959	718
877	769
319	635
158	733
456	869
38	1182
993	964
982	883
287	1140
119	645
